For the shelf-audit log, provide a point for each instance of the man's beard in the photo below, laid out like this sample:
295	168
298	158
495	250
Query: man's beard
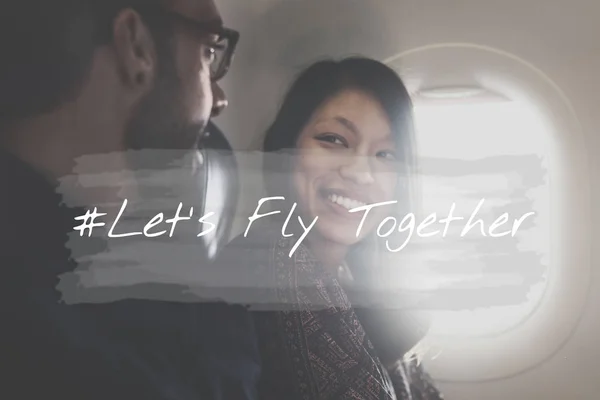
159	123
160	140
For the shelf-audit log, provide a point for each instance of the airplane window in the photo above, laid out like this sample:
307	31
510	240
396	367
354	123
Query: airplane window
492	154
496	137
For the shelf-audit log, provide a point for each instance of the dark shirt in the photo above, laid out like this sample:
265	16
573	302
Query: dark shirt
314	342
128	349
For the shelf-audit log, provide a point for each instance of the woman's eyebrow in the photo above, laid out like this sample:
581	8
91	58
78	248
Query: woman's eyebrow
347	123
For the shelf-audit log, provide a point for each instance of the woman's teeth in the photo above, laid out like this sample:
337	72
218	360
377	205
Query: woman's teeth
345	202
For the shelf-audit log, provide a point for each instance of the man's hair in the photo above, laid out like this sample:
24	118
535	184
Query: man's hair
48	45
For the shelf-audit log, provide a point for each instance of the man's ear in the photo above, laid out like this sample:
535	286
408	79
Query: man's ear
135	50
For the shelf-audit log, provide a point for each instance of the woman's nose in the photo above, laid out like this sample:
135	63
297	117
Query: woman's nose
219	100
358	170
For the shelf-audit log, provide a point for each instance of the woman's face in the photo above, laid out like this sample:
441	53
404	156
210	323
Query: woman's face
346	159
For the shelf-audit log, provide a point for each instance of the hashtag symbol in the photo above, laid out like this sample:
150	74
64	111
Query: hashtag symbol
89	222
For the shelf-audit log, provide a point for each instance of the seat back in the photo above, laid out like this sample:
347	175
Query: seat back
219	186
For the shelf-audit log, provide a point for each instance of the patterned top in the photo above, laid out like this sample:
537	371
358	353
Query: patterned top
312	343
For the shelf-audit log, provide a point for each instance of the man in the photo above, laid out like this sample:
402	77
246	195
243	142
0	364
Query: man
85	77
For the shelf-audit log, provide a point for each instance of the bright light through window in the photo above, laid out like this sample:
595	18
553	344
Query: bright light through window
467	152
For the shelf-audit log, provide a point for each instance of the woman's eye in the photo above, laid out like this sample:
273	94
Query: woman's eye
386	154
332	138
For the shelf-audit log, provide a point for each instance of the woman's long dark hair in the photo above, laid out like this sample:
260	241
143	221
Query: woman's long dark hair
311	89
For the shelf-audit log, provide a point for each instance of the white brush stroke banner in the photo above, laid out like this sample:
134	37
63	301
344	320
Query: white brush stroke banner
454	271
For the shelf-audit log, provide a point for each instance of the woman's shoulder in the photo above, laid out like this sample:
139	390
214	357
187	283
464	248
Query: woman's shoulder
267	268
241	271
265	253
247	248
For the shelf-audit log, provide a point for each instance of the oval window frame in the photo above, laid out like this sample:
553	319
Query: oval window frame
528	343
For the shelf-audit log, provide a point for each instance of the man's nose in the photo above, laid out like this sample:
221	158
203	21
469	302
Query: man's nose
219	100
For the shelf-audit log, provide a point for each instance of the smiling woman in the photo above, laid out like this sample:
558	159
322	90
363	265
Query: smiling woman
347	151
342	138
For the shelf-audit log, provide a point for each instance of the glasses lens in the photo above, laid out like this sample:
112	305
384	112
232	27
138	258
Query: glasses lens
219	65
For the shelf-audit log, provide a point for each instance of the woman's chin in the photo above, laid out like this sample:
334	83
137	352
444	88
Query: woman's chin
339	235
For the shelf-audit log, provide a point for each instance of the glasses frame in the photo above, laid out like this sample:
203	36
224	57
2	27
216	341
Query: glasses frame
207	28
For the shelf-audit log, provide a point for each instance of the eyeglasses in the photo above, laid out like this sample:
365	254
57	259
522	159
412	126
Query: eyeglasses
224	52
224	46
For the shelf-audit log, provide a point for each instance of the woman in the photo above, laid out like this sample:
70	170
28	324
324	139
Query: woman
342	139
